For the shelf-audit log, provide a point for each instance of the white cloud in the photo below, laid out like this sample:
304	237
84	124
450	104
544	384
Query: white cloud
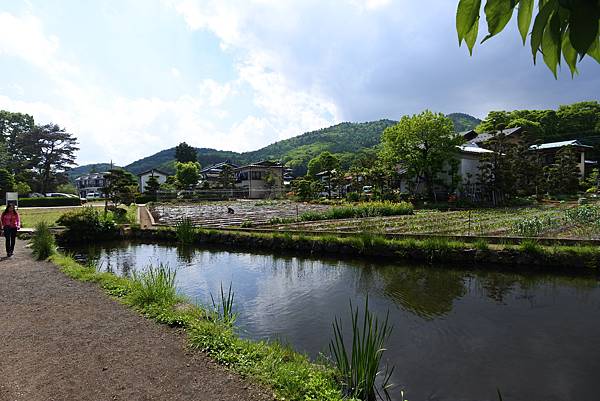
24	38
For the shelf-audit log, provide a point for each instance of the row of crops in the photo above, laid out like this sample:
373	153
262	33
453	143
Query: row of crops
566	221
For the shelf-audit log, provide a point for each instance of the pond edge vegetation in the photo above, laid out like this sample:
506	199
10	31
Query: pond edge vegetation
291	375
529	253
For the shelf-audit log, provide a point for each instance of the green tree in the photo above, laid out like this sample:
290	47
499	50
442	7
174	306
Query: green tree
121	187
14	126
50	153
187	174
306	189
326	161
561	27
152	185
7	182
227	177
423	144
22	188
496	169
184	153
67	188
563	174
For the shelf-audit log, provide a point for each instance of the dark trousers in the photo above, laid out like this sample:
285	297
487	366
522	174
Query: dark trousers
10	233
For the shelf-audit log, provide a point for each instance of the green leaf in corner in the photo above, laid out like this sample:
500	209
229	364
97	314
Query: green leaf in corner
569	53
539	25
497	15
524	17
584	24
471	36
551	43
594	50
467	15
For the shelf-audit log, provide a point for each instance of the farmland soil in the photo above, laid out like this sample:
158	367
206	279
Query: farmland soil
62	339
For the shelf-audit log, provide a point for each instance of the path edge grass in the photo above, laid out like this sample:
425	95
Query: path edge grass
291	375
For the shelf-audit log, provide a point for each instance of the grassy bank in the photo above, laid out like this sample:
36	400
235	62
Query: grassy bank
292	376
528	254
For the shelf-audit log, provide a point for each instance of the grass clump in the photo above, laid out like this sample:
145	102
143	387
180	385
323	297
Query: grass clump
481	245
223	310
185	231
42	241
531	246
358	364
366	209
155	286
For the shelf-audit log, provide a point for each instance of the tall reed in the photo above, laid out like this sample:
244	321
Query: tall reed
359	365
42	241
154	286
224	309
185	230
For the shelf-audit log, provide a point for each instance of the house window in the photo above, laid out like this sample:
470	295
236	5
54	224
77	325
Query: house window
256	175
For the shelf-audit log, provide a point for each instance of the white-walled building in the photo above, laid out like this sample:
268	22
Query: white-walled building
143	178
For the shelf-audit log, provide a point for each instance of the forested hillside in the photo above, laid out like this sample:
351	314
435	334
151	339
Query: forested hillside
345	138
463	122
350	141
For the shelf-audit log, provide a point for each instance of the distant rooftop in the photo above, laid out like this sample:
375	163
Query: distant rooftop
554	145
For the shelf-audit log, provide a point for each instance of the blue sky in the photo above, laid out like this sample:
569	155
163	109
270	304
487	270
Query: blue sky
132	77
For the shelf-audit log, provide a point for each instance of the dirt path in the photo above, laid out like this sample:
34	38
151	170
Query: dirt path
65	340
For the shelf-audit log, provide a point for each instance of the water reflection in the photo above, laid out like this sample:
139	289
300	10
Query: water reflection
458	334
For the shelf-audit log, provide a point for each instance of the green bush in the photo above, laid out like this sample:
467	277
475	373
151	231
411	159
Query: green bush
145	198
87	224
41	202
366	209
42	241
352	197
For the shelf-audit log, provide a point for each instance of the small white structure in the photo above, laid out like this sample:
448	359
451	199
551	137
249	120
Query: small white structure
143	178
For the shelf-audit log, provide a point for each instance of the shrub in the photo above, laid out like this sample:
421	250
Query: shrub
366	209
39	202
352	197
156	286
42	241
88	223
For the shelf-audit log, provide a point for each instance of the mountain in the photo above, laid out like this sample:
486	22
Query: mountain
463	122
345	139
89	168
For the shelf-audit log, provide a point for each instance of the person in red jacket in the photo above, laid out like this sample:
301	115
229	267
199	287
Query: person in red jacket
10	222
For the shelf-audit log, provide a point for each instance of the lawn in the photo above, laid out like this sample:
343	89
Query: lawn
31	216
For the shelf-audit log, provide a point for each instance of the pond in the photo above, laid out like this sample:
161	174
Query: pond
458	334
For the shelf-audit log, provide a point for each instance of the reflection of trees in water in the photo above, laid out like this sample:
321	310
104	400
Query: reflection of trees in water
185	253
426	292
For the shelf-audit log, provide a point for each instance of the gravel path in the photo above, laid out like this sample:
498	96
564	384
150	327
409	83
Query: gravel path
62	340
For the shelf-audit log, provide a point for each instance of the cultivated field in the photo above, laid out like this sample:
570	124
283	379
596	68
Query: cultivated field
214	214
566	220
563	221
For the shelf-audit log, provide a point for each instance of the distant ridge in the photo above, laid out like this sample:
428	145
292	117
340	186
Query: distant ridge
344	139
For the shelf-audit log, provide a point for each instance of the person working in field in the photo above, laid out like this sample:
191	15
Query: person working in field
10	223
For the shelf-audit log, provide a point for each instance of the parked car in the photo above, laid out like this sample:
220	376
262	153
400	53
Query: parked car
35	195
93	195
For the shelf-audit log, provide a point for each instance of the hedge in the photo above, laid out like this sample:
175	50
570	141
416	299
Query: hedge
55	201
